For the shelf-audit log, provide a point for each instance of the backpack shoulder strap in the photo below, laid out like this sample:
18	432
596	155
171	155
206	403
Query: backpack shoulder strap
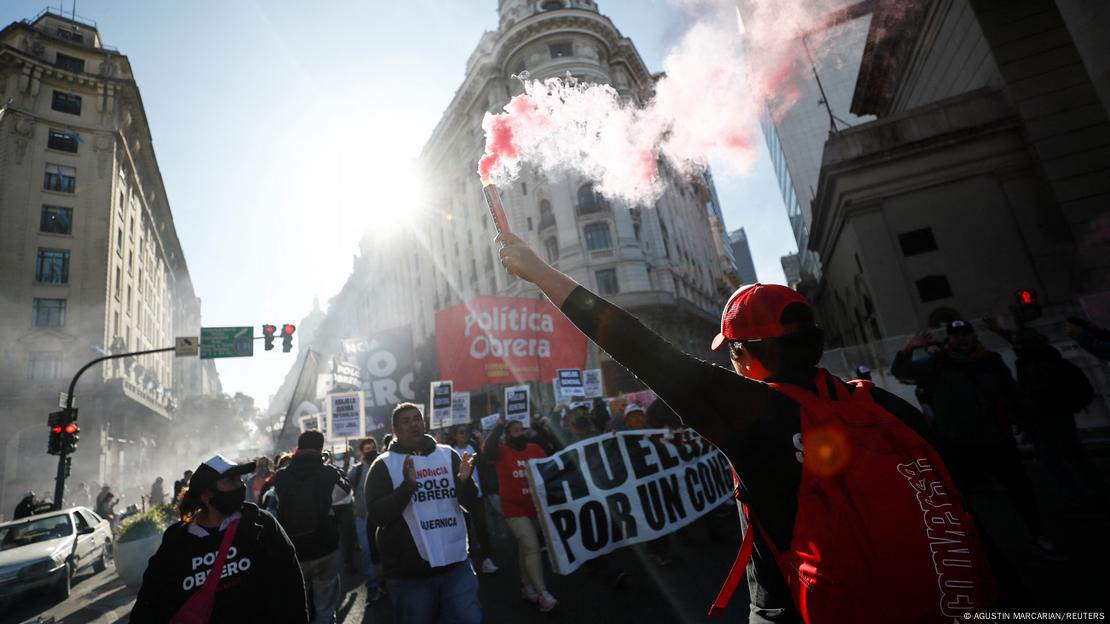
732	581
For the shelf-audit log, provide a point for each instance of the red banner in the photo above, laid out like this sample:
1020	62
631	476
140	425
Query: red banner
500	340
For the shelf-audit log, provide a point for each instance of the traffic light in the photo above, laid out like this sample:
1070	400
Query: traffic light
268	332
1027	307
70	434
287	337
54	422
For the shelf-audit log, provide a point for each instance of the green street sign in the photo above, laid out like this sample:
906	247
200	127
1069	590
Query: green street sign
225	342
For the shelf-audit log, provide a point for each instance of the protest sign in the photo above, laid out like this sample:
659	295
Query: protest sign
518	404
570	383
310	422
617	489
497	340
440	393
591	383
460	408
489	422
345	415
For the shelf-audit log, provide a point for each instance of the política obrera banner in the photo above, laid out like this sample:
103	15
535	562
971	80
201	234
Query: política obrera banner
622	488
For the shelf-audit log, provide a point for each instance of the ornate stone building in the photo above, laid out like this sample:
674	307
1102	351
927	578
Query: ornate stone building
670	264
90	261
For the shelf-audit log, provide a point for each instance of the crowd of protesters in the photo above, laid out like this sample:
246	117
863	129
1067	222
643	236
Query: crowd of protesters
421	516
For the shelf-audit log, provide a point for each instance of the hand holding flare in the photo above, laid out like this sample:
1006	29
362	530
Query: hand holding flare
496	210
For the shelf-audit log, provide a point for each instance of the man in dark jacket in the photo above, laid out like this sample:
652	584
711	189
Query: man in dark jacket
305	492
260	580
757	427
418	488
976	402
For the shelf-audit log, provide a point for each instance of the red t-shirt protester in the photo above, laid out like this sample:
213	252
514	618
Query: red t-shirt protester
511	459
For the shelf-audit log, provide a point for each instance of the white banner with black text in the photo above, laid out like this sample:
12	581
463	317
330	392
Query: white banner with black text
624	488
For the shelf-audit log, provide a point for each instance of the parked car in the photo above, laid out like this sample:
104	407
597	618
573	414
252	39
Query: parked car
50	548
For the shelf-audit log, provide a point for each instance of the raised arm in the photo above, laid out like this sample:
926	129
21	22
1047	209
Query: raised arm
715	401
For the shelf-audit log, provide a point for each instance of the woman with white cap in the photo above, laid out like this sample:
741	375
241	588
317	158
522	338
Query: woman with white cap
257	575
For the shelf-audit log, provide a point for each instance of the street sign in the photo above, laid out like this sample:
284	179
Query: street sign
225	342
186	346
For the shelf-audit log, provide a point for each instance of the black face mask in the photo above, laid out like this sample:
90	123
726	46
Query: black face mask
517	444
228	503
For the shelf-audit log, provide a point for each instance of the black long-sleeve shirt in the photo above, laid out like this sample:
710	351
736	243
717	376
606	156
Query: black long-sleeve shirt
758	428
263	579
384	506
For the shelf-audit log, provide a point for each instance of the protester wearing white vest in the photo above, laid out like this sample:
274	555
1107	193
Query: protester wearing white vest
415	495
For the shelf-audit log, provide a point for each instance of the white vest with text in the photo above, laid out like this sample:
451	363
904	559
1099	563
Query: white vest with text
434	517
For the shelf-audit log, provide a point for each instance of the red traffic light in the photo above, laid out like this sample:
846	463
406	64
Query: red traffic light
71	428
269	330
56	429
1027	296
288	329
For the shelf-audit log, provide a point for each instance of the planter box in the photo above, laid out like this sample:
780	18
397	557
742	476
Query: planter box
132	557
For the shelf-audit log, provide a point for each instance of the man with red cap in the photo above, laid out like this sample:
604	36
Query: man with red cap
756	418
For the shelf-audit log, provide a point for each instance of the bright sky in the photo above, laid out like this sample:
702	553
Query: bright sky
276	123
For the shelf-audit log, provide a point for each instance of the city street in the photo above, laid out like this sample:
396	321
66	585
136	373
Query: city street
682	591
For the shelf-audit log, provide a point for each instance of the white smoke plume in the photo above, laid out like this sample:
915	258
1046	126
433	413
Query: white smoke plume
720	78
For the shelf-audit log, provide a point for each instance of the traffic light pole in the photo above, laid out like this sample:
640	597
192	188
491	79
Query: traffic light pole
60	479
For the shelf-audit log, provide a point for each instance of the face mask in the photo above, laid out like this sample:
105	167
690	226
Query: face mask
516	443
228	503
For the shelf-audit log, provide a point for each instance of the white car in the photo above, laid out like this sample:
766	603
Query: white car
49	549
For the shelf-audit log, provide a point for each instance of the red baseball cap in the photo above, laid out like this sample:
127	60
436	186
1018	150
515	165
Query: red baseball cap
753	312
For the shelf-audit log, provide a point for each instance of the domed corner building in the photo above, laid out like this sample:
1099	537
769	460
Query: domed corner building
669	264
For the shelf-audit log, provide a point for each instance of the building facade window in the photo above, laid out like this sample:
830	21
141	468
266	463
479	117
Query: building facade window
607	282
69	35
119	242
119	284
52	267
49	313
66	103
561	49
60	178
56	220
933	287
917	242
589	201
69	63
62	141
44	365
547	216
552	5
551	245
597	236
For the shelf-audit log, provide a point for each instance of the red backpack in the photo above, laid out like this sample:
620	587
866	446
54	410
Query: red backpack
881	534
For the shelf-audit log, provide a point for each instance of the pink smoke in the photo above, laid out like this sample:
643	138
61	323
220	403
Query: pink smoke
716	86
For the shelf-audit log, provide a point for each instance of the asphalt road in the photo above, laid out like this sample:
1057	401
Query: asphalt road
683	591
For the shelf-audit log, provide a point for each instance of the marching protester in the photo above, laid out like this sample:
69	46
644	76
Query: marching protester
976	402
478	525
791	429
511	458
1057	389
157	494
28	506
224	561
181	484
105	505
368	452
306	490
415	495
258	479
